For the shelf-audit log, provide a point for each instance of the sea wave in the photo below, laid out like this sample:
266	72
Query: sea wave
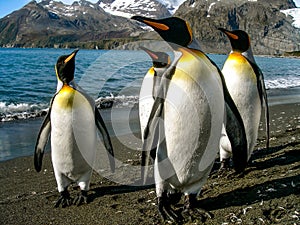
283	83
22	111
12	111
117	101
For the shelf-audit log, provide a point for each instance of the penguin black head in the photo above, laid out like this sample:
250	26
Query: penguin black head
65	67
171	29
239	39
159	59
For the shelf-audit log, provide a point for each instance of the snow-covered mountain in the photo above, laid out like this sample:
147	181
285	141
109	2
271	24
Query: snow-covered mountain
172	5
295	13
164	8
58	8
105	23
128	8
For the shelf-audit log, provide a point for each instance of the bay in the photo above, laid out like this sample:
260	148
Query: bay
28	82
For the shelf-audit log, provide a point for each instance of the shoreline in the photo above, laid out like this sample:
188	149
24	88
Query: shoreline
267	193
26	130
292	55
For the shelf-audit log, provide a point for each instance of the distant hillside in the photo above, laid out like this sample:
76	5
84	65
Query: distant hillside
54	24
271	31
100	25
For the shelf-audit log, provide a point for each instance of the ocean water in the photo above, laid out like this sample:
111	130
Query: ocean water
28	79
28	82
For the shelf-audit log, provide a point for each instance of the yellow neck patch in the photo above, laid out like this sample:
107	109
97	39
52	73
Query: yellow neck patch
65	97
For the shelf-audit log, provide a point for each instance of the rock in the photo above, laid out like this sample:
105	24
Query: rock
271	32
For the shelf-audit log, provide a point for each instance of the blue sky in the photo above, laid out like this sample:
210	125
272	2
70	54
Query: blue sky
8	6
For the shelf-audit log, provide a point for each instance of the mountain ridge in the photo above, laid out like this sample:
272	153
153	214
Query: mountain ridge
84	24
270	30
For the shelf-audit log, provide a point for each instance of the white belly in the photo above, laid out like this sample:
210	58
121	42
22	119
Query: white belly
73	137
193	116
242	86
145	102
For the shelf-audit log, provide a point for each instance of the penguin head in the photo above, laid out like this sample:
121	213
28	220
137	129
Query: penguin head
65	67
159	59
171	29
239	39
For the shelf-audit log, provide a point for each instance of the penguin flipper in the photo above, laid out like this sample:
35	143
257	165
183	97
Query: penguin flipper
151	137
106	138
235	128
152	129
41	142
263	98
236	133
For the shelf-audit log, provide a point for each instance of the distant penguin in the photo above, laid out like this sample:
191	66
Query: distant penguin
187	117
245	83
72	121
150	85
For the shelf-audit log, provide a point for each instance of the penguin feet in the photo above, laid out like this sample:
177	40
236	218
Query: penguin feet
81	198
191	213
174	197
225	164
64	200
165	210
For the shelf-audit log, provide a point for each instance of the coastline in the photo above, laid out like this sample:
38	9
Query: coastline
268	193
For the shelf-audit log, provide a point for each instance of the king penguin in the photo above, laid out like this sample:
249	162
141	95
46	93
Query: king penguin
72	120
245	83
189	111
150	87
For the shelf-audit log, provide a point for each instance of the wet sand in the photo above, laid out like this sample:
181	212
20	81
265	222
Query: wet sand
267	193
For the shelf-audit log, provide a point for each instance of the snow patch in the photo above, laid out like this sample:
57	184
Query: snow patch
209	8
128	8
295	13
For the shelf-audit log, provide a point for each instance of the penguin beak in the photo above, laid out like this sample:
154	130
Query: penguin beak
152	54
229	34
155	24
71	56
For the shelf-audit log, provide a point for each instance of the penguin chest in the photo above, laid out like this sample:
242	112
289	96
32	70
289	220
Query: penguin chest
193	115
241	82
240	78
146	99
73	131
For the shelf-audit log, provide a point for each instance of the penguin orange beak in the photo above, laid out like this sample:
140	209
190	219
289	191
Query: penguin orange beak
71	56
152	54
151	22
229	34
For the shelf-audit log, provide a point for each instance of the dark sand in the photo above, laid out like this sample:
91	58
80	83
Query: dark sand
268	193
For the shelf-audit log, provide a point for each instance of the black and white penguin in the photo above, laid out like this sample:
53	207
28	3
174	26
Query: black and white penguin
72	121
150	87
187	117
245	83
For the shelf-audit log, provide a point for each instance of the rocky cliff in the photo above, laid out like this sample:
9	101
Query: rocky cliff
87	25
271	31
